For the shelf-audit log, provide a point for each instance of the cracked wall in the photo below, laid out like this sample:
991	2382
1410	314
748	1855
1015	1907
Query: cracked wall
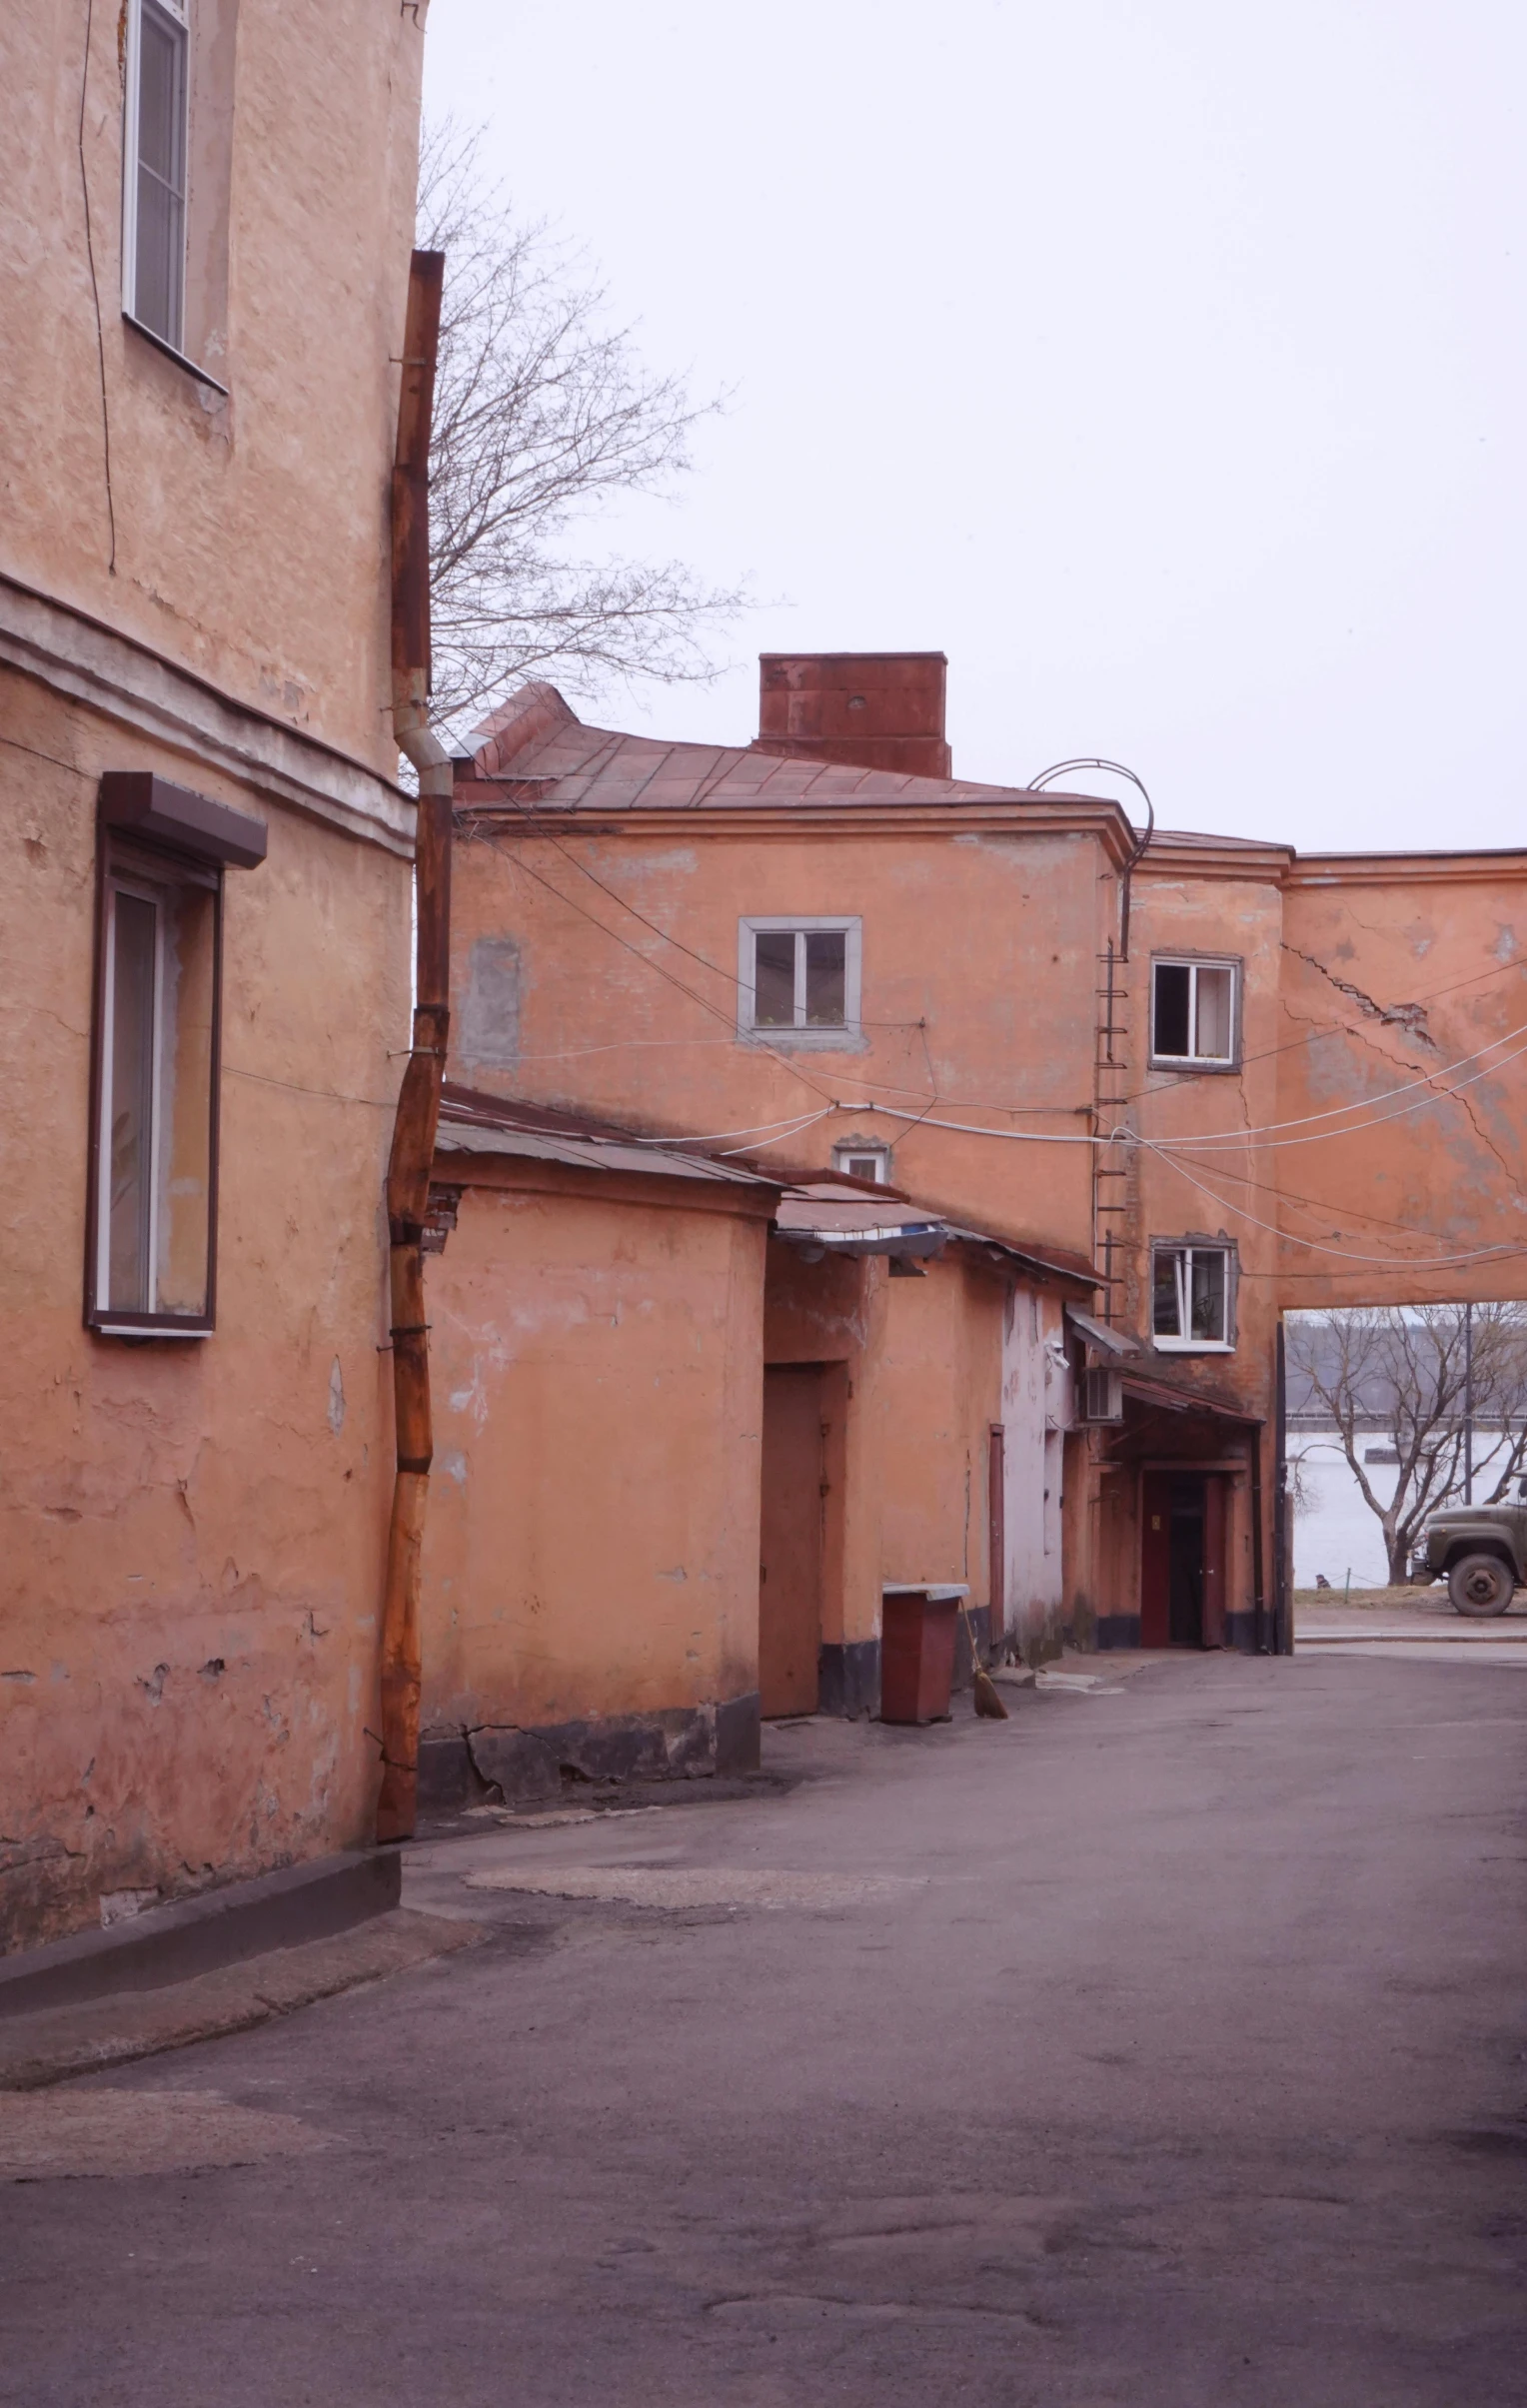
1395	972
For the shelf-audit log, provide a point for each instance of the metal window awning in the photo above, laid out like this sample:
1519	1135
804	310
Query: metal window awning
1098	1334
915	1239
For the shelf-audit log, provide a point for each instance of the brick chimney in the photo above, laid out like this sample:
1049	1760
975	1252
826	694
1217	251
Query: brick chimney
877	710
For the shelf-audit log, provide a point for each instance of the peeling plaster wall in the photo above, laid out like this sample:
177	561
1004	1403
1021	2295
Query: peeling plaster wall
979	973
592	1547
1037	1412
304	153
940	1390
192	1530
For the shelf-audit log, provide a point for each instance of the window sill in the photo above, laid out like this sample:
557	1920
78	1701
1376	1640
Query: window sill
846	1039
1179	1062
1192	1346
169	353
149	1328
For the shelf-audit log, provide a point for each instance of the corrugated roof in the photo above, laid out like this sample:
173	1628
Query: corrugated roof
592	1153
471	1122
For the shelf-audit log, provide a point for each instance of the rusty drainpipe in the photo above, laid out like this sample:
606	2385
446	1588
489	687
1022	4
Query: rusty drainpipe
413	1152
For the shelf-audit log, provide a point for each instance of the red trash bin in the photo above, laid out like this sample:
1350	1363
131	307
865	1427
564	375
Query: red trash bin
918	1651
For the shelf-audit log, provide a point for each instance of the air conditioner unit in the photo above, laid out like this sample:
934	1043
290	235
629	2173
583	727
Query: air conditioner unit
1103	1399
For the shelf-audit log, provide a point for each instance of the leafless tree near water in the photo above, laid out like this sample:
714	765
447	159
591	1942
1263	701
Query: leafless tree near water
544	413
1403	1373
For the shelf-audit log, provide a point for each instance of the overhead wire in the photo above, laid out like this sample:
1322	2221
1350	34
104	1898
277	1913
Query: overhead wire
703	1002
1266	1131
1388	1261
1319	1037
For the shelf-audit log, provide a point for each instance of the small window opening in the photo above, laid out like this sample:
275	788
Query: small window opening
803	977
1191	1294
864	1162
1192	1012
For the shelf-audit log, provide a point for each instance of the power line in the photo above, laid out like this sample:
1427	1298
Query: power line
703	1000
1319	1037
1387	1262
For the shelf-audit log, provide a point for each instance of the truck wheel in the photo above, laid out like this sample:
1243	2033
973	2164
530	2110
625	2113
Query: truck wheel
1480	1584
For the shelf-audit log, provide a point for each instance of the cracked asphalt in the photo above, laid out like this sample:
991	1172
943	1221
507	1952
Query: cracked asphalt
1163	2045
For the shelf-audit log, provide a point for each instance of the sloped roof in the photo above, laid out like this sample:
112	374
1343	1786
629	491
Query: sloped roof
471	1122
536	749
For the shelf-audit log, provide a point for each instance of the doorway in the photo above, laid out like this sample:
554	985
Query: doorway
792	1528
1182	1560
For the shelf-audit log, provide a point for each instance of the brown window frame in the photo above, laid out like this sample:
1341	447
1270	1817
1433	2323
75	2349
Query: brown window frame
143	820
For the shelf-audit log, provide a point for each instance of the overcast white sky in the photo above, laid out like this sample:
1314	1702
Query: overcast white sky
1163	363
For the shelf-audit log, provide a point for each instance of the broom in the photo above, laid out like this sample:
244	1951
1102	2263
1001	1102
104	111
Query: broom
988	1702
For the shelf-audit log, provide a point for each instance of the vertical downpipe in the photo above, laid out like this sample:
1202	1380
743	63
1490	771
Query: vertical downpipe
1283	1583
413	1150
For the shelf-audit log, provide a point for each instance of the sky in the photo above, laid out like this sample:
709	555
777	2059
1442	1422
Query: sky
1165	365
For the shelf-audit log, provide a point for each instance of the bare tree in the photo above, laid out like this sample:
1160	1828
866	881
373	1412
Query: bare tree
1404	1372
542	413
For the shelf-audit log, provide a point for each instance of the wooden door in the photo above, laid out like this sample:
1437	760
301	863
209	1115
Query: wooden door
1217	1533
790	1536
1156	1560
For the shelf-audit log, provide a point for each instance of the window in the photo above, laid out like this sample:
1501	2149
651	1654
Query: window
799	979
154	168
1190	1298
867	1162
150	1269
1192	1012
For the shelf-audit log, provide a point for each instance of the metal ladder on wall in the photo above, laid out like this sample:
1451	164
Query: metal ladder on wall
1112	1165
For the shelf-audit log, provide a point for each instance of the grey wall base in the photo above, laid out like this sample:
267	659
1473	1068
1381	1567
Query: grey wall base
548	1760
196	1935
848	1679
1116	1630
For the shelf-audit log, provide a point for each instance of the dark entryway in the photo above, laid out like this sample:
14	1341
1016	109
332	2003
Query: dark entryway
1182	1560
791	1537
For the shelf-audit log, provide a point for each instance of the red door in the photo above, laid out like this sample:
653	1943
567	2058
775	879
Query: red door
790	1536
1215	1539
1156	1560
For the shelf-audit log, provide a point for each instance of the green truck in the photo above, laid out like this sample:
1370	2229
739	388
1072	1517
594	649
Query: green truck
1479	1549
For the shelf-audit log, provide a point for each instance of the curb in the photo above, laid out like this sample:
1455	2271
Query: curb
58	2044
204	1933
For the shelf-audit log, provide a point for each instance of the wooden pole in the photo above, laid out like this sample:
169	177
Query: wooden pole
413	1150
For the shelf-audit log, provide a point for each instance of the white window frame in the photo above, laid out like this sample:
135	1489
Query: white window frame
1193	963
176	13
847	1153
799	924
1186	1249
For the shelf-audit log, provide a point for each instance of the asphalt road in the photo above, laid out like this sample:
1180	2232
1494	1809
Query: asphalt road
1163	2045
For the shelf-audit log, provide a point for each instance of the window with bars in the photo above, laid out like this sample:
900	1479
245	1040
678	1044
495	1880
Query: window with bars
798	979
154	152
1190	1298
1193	1012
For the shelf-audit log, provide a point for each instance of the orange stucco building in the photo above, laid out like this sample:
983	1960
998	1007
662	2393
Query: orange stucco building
824	949
204	926
690	1423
